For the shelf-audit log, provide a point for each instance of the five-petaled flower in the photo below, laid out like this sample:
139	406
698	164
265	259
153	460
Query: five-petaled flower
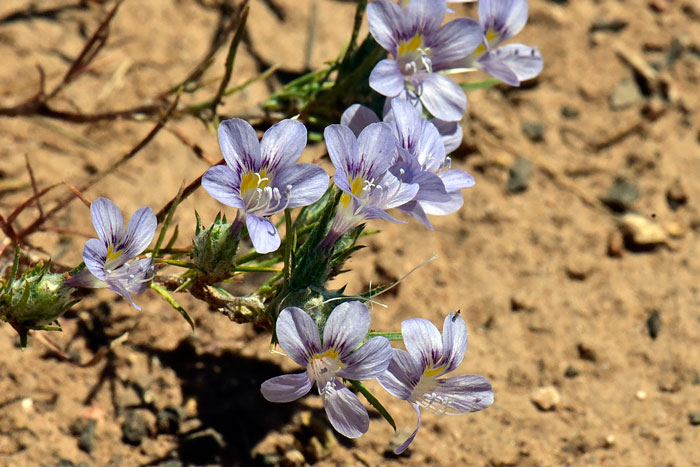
421	47
338	355
106	257
362	173
512	63
413	375
262	178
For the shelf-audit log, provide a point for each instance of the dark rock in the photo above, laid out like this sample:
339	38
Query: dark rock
65	463
694	418
676	195
519	176
202	447
534	131
675	52
625	95
87	436
571	372
560	2
586	353
171	463
168	420
134	428
654	324
621	195
612	25
570	113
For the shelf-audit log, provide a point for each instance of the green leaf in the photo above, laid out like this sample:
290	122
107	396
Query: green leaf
373	401
392	336
173	303
483	84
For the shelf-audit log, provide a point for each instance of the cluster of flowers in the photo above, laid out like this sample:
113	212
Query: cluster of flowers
400	161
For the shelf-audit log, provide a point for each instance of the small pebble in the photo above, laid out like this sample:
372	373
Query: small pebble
134	428
579	269
294	457
86	439
571	372
608	25
616	245
546	398
519	176
625	95
520	302
534	131
202	447
641	395
694	418
570	113
674	229
168	420
585	352
621	195
65	463
654	108
654	324
609	441
640	232
676	196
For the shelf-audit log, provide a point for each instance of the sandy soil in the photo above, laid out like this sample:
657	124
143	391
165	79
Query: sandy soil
560	308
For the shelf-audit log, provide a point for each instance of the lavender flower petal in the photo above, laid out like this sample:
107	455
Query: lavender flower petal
422	340
454	341
342	149
410	439
369	361
308	182
505	17
134	275
286	388
455	40
456	179
443	98
223	184
298	335
139	233
263	234
402	375
450	132
108	220
345	411
444	208
357	117
426	13
346	327
86	279
282	144
95	256
376	148
497	68
386	78
414	209
463	394
384	19
524	62
239	145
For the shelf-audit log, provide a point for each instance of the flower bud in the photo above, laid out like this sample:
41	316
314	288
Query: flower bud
214	249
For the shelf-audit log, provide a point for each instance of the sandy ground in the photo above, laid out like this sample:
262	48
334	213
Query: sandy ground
560	308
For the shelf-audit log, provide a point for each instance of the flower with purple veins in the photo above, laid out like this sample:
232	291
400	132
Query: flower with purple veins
422	159
512	63
362	173
106	257
421	47
413	375
262	178
341	354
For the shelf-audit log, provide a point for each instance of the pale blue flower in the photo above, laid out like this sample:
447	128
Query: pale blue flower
414	375
106	258
420	48
262	178
341	354
362	173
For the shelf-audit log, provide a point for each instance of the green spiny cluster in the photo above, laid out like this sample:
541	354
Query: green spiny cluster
214	250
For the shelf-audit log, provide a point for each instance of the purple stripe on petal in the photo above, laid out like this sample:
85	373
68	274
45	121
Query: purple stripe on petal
95	256
286	388
263	234
422	340
342	149
464	394
402	375
454	341
376	147
426	15
308	182
386	78
506	17
408	441
223	184
357	117
369	361
298	335
108	220
345	411
431	150
408	124
346	327
282	144
443	98
384	18
139	233
239	145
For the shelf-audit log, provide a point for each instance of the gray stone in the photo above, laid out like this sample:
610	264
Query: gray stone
570	113
169	420
676	196
654	324
694	418
546	398
571	372
534	131
519	176
134	428
625	95
621	195
87	436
